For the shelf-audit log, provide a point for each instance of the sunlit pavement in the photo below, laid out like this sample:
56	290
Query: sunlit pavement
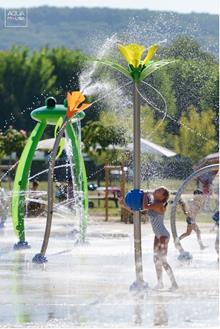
88	286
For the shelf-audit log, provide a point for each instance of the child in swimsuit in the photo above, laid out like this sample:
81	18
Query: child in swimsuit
156	211
215	217
191	211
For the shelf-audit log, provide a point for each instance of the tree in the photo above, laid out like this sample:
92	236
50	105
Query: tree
2	150
190	82
97	138
194	78
187	49
23	79
67	66
13	141
162	81
210	94
26	79
197	136
151	128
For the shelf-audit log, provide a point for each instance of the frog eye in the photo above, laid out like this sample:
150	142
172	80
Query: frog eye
50	102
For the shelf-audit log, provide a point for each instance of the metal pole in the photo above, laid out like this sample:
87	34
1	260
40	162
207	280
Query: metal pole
50	188
193	176
106	191
137	171
40	258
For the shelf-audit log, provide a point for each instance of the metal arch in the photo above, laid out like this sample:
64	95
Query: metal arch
194	175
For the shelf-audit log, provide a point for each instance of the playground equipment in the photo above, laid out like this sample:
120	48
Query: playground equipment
134	199
50	114
185	254
137	71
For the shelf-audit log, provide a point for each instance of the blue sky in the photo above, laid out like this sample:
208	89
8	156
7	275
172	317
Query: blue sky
183	6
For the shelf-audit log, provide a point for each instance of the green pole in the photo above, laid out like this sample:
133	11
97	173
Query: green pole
20	184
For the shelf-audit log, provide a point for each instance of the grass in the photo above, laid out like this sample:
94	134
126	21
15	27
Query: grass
114	213
171	184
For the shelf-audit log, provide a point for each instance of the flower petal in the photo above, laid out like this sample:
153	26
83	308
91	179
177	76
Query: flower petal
132	53
74	99
125	53
151	51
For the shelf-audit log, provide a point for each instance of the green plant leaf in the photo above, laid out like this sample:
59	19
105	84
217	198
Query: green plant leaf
153	67
115	66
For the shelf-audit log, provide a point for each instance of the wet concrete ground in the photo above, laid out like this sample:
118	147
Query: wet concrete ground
88	286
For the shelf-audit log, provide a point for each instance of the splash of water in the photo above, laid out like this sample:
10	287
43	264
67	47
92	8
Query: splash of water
170	117
86	77
9	170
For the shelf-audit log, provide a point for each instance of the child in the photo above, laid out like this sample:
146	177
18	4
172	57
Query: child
215	217
35	208
191	211
156	211
205	181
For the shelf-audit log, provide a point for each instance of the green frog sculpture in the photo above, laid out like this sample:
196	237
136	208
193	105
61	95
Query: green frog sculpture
65	118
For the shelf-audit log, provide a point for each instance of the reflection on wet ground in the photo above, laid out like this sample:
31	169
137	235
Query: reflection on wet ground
89	285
